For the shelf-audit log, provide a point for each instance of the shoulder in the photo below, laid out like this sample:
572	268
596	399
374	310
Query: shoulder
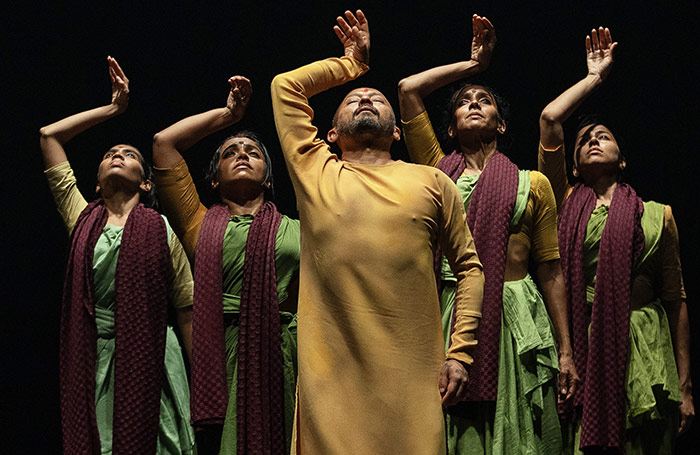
538	180
289	223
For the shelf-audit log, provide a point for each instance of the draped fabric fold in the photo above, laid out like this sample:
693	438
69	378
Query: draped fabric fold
488	217
259	396
601	356
141	280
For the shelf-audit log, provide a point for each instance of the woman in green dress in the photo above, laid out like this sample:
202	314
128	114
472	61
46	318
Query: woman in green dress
246	260
121	365
523	359
621	264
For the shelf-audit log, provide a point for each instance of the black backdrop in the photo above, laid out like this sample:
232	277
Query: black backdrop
178	57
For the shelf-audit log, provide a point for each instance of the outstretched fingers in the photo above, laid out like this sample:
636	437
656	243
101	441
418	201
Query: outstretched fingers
343	28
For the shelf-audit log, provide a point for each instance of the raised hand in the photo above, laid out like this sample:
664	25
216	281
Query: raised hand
483	41
354	35
599	52
238	96
120	85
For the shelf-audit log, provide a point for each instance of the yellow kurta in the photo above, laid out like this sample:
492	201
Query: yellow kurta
369	341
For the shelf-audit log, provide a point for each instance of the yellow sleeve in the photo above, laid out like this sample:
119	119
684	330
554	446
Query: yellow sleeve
293	115
672	288
421	142
64	188
544	239
552	163
181	289
180	202
458	246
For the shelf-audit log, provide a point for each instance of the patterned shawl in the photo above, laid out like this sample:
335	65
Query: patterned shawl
600	359
141	282
259	398
488	217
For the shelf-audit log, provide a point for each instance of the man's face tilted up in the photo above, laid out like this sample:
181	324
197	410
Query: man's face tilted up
365	115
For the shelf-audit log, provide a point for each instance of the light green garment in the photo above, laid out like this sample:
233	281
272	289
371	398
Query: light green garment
175	435
524	418
652	385
286	267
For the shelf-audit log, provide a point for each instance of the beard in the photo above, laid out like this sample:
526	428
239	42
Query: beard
367	125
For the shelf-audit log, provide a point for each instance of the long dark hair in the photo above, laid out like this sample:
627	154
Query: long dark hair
212	173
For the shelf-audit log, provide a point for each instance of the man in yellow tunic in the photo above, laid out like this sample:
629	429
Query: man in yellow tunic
372	365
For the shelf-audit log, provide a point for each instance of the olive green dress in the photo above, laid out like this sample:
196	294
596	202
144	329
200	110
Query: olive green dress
175	435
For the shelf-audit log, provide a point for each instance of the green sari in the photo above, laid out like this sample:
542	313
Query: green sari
286	266
175	435
524	419
653	389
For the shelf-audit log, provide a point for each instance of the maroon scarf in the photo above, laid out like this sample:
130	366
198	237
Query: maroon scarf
141	281
488	217
601	359
260	418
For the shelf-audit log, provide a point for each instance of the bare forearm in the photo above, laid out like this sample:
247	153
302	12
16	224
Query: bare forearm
184	321
53	136
551	282
680	333
556	112
169	143
413	89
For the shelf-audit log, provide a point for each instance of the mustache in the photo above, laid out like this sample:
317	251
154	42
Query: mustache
359	110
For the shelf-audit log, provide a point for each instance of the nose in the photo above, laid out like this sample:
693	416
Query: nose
474	104
365	99
118	153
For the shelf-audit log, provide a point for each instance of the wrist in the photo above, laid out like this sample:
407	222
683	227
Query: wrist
686	388
594	78
115	108
477	66
229	117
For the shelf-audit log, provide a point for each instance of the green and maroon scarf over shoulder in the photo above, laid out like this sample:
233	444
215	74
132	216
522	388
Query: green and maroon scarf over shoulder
488	217
259	399
601	358
141	282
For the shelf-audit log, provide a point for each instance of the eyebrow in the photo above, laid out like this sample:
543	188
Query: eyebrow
245	145
360	94
125	149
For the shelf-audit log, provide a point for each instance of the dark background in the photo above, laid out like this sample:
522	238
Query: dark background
178	57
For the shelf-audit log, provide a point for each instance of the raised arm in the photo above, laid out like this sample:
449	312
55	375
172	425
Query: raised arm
169	143
291	90
414	88
56	134
599	58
